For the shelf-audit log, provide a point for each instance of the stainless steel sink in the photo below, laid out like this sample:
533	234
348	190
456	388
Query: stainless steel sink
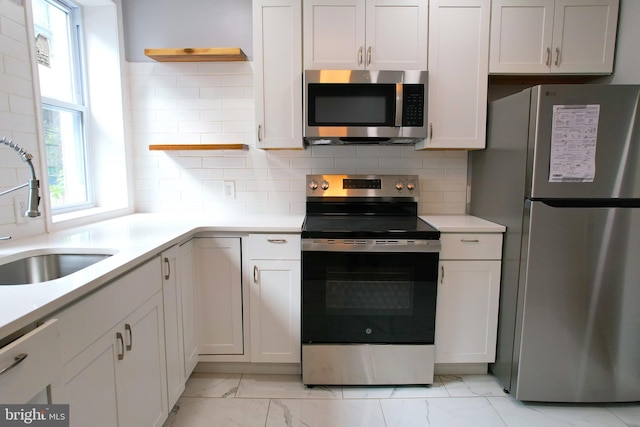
36	268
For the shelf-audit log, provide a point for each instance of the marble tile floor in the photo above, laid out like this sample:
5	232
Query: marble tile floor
220	400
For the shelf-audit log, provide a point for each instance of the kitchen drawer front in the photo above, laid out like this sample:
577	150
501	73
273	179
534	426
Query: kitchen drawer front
274	246
25	377
471	246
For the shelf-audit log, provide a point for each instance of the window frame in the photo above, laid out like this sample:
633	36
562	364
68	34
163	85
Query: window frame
80	104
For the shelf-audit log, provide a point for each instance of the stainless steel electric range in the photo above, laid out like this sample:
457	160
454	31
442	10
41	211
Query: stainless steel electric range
369	281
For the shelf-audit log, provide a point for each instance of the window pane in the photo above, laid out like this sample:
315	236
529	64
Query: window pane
53	34
65	157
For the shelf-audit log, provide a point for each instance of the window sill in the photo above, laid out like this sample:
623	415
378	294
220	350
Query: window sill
86	216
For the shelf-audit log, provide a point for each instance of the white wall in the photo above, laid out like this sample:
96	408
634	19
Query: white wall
213	103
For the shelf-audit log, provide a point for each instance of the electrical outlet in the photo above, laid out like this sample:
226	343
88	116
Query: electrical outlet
19	208
229	190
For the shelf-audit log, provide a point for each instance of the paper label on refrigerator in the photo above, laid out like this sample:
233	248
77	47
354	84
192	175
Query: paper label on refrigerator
573	143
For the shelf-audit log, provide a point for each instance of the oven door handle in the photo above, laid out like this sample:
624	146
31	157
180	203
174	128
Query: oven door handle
370	245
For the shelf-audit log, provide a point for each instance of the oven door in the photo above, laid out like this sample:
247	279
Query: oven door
369	297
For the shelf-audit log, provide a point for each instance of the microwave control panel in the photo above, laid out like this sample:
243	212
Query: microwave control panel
413	105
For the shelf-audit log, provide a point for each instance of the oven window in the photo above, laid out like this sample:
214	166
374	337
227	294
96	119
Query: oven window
364	297
381	293
352	104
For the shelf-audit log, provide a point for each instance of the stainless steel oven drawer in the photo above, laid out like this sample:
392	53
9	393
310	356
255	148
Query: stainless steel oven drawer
367	364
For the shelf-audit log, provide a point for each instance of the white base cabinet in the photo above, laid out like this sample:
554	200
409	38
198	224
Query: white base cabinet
114	370
468	297
273	272
220	296
178	285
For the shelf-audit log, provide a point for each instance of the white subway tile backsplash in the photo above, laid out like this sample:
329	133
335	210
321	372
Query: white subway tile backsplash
222	92
200	127
177	92
198	80
213	103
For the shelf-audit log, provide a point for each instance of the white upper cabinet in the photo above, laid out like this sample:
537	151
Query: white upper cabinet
365	34
458	74
277	41
547	36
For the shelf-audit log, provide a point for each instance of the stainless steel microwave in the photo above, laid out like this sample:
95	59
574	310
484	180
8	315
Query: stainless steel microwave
364	107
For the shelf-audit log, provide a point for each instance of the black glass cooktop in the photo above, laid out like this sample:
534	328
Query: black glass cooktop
367	226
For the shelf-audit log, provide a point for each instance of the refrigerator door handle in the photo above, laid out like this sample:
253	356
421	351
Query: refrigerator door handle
586	203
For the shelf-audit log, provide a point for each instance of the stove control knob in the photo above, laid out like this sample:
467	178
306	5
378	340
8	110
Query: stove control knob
313	185
411	185
324	185
399	185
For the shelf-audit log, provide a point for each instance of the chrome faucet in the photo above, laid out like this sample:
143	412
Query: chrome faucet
33	184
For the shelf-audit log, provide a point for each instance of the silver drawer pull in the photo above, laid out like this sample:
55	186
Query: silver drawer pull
16	361
470	240
277	241
119	338
127	328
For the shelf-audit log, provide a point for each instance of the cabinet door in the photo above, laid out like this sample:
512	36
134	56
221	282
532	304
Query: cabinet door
334	34
467	311
143	366
396	34
185	266
277	41
584	36
176	377
275	311
219	295
458	73
91	384
521	35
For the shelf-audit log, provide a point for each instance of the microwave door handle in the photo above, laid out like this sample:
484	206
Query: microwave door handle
398	105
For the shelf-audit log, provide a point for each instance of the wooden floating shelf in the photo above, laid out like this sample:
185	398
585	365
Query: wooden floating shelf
174	147
211	54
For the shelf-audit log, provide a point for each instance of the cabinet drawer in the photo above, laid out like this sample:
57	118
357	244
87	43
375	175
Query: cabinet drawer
25	377
471	246
274	246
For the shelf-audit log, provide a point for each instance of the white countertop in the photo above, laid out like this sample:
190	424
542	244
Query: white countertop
137	238
134	239
462	224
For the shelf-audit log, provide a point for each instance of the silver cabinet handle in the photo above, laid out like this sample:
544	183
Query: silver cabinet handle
369	51
259	133
360	55
255	274
278	241
548	62
119	338
557	57
470	240
430	130
168	275
16	361
127	328
442	275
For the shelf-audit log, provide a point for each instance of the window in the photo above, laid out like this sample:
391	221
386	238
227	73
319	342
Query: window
64	110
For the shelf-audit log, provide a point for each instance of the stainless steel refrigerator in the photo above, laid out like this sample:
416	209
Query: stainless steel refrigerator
562	172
